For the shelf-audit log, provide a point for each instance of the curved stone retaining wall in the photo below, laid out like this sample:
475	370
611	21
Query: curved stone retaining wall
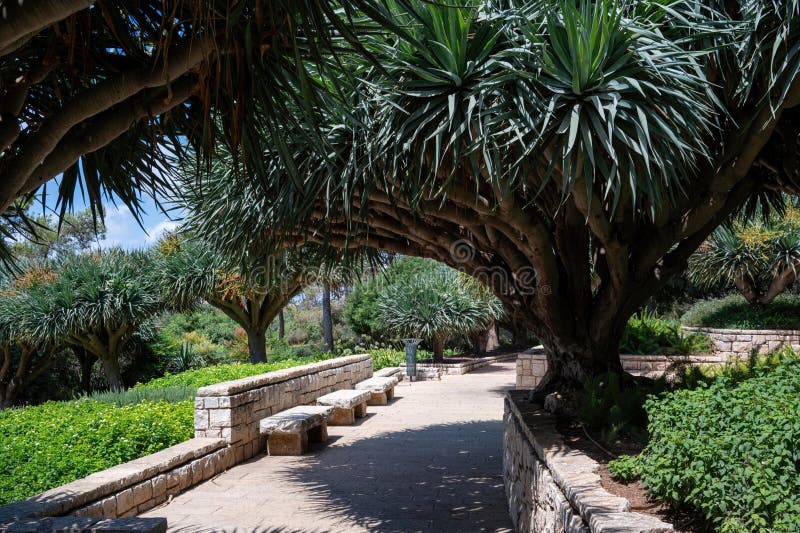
552	488
226	433
742	343
532	365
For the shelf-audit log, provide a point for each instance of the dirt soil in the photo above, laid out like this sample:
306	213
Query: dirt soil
635	492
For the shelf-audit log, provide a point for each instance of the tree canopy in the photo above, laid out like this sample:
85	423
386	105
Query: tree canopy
760	258
437	304
107	95
571	154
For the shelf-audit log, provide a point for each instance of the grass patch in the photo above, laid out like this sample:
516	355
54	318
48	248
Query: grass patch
733	312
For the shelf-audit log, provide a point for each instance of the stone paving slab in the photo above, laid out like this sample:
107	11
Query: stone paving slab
431	460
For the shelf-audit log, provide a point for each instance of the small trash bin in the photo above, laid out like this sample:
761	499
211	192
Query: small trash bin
411	357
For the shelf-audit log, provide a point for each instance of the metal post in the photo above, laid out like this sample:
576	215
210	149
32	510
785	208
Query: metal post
411	357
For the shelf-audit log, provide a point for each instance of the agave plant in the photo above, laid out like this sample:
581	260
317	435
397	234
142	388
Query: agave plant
761	259
436	306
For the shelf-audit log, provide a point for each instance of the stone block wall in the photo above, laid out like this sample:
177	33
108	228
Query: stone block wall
226	433
532	365
741	343
233	409
121	491
553	489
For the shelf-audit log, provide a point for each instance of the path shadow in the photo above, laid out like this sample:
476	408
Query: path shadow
444	477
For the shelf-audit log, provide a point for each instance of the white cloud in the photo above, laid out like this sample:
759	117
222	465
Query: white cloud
123	231
157	231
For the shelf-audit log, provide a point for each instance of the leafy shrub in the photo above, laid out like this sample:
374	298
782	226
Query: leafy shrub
730	449
613	404
734	312
57	442
646	334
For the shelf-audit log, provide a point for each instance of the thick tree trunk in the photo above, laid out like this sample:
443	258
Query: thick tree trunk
327	317
86	361
281	325
438	350
520	336
257	344
573	362
111	369
487	340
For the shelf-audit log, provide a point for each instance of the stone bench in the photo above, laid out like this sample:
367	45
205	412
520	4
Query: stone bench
381	389
347	406
290	431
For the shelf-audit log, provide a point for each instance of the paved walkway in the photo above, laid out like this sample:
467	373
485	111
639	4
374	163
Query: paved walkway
429	461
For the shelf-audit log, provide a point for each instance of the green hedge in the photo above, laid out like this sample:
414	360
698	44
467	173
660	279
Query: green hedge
731	450
57	442
733	312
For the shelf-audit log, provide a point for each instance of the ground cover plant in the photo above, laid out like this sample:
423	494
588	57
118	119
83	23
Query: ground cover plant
649	335
729	449
57	442
734	312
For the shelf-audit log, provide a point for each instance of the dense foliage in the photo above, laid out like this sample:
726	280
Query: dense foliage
760	258
649	335
735	312
437	305
730	450
58	442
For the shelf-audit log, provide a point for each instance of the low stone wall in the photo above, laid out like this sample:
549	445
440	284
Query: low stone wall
226	421
122	491
741	343
457	369
552	488
532	365
233	409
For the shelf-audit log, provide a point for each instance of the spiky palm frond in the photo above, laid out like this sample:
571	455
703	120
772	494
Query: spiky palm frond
436	305
87	295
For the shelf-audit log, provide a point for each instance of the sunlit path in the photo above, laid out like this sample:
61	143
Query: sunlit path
429	461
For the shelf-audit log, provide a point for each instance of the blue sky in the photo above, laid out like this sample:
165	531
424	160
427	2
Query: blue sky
121	227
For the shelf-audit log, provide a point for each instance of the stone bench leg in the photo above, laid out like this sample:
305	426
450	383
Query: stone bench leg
390	394
287	443
342	417
378	398
319	433
360	410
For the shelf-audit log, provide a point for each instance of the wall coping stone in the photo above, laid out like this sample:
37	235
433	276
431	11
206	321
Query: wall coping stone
62	499
89	525
703	329
467	364
574	473
237	386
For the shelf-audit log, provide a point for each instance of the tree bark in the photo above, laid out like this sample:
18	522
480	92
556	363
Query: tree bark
86	361
487	340
520	336
438	350
281	325
327	317
111	369
257	344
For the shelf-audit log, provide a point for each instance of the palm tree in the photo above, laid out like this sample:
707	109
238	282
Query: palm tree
437	306
105	94
760	259
94	302
571	154
251	291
